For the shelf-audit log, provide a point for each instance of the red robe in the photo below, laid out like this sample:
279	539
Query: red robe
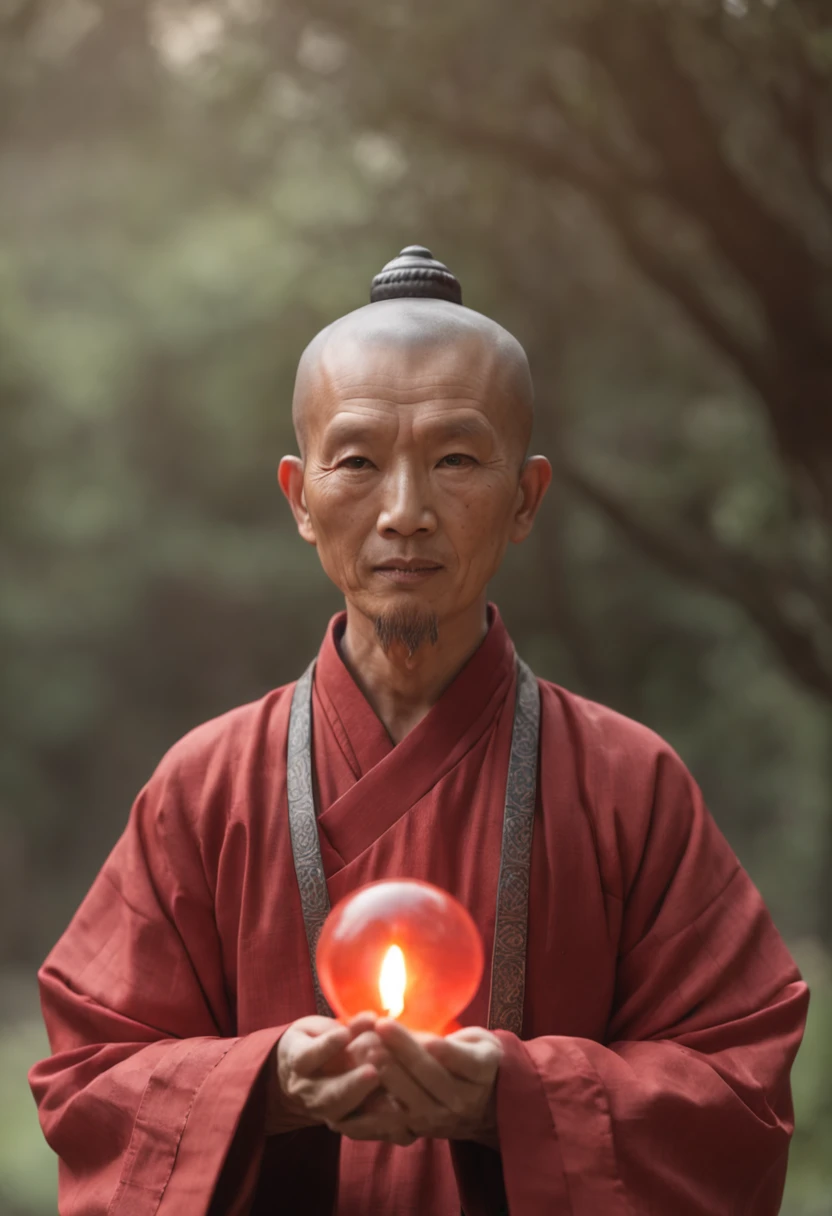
662	1010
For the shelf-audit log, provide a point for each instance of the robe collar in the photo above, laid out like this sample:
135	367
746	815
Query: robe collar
392	778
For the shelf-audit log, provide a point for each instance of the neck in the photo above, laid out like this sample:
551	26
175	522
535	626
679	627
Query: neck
401	687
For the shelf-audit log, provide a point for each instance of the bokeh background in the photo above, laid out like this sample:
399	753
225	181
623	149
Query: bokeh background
640	189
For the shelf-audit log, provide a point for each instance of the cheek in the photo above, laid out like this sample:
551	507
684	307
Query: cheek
480	524
341	524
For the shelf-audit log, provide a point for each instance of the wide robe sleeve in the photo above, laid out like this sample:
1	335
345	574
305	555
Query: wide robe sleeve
685	1107
148	1083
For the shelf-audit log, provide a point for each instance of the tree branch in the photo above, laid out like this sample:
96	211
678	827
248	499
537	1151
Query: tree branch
666	109
684	289
548	163
801	123
538	157
799	115
727	573
599	141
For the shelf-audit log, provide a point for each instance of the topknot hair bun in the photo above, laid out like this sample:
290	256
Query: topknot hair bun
415	274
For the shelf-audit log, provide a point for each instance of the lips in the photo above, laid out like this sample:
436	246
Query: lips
408	565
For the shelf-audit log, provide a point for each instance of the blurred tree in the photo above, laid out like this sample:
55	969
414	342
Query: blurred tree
202	152
639	189
699	136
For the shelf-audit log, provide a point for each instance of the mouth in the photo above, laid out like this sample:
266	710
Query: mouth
405	571
408	564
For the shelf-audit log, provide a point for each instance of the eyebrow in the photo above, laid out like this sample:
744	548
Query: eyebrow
473	427
353	430
349	431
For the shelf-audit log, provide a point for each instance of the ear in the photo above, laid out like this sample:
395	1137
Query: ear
290	478
535	479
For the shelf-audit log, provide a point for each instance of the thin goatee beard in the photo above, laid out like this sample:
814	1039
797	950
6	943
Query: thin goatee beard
411	628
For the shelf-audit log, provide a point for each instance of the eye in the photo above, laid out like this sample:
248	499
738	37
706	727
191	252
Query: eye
354	462
457	460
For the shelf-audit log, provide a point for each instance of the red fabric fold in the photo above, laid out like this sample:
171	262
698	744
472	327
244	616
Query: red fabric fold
399	777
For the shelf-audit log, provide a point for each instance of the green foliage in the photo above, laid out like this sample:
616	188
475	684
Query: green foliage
28	1170
809	1189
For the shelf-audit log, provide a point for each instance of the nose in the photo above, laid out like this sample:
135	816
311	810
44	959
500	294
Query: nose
406	509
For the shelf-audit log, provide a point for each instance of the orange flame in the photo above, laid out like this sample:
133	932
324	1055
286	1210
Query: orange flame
392	982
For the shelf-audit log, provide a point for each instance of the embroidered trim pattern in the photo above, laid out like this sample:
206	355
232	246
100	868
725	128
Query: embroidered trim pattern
508	964
303	825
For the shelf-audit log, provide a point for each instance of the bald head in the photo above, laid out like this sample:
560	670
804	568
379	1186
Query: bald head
413	419
407	346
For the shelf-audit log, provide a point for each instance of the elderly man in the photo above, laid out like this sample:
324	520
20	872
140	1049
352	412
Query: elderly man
628	1051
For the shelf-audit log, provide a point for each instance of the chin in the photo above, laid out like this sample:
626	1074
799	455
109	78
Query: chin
406	623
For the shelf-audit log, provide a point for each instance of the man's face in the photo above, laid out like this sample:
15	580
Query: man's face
412	477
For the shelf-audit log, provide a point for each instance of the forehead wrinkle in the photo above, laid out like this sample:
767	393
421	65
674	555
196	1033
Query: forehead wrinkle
416	399
470	423
351	427
363	387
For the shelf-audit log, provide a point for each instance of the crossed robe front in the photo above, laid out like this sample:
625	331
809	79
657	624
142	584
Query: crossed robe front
662	1010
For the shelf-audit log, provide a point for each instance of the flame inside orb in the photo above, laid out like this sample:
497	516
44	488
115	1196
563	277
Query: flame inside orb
403	948
392	982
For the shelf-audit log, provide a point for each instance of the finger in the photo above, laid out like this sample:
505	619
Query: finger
471	1061
367	1049
386	1127
410	1095
314	1053
313	1024
370	1131
362	1022
411	1054
365	1043
337	1097
379	1102
471	1034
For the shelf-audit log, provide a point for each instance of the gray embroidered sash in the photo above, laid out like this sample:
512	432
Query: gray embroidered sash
508	964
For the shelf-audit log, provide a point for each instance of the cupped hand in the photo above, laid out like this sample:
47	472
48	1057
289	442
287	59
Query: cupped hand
439	1087
315	1079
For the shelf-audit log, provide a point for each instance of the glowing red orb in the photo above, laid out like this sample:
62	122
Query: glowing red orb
403	948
